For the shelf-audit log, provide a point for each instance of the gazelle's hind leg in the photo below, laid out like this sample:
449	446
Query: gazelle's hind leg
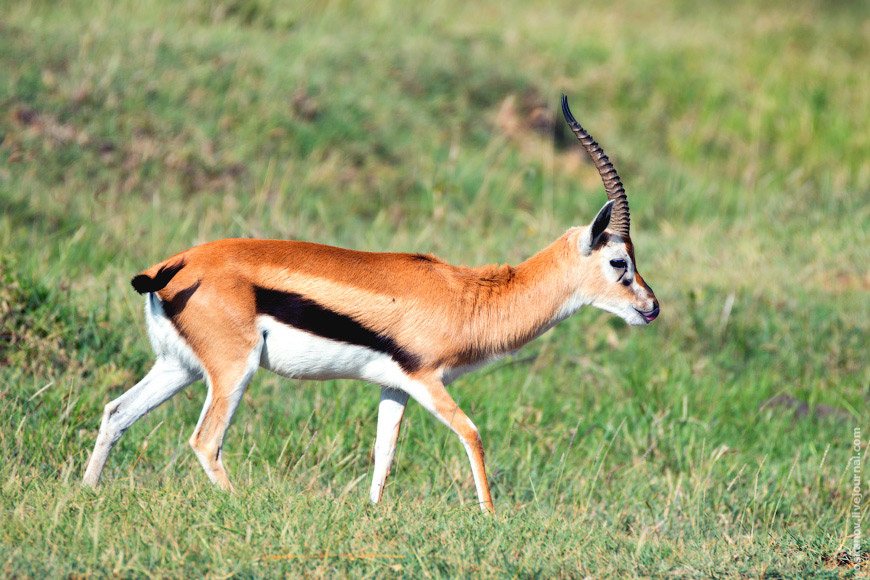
165	379
390	412
226	385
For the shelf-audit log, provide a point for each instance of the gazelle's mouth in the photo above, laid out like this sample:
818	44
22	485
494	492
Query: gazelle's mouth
649	315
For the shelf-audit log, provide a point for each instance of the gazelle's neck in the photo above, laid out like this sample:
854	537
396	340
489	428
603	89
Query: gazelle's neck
513	305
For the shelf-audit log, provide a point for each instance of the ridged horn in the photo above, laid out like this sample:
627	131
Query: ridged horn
619	220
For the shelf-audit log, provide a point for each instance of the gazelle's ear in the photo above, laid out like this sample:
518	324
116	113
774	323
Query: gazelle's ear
590	237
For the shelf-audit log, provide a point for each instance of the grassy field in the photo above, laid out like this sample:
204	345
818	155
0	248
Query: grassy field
717	442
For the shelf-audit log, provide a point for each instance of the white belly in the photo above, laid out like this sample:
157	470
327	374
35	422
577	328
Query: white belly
297	354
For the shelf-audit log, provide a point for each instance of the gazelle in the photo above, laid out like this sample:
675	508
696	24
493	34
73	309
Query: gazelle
410	323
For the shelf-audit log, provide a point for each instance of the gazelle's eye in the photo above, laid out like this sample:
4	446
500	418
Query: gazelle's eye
618	264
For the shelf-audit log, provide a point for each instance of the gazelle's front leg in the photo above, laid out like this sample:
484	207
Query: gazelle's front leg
390	412
430	392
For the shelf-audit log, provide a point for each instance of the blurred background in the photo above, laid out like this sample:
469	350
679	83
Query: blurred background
130	131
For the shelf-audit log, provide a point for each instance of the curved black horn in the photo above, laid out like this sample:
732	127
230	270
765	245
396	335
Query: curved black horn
619	221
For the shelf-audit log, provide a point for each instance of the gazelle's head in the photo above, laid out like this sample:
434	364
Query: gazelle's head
611	280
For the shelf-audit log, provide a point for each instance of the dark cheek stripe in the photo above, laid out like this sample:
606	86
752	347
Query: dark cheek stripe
299	312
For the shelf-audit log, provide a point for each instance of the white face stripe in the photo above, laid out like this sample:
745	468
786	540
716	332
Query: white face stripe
615	250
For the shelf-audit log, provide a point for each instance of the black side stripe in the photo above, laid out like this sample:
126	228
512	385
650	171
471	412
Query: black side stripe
299	312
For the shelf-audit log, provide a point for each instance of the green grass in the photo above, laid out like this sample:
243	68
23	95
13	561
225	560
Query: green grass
132	130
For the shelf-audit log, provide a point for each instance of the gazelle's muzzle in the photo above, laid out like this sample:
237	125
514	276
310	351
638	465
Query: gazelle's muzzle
650	315
650	310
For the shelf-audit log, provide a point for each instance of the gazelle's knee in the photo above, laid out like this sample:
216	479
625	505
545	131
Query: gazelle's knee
110	410
112	423
469	434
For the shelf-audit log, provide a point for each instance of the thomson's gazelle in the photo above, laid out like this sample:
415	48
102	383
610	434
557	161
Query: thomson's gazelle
407	322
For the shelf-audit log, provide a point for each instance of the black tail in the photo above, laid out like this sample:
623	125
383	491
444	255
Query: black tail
143	283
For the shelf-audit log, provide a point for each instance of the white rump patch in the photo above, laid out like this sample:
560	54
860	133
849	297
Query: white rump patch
165	340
